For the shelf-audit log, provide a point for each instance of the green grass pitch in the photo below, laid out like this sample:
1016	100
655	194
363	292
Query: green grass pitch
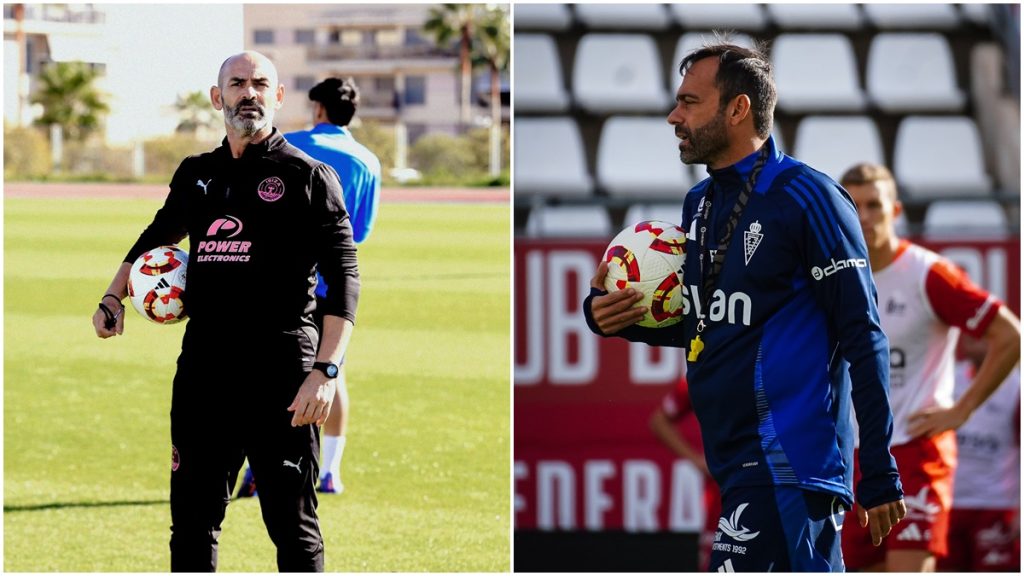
86	433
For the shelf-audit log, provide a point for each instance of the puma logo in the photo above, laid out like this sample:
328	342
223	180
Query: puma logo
201	184
293	465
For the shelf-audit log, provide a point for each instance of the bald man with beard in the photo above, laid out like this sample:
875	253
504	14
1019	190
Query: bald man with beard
255	377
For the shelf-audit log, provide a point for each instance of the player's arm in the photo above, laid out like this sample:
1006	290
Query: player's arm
959	302
665	430
831	233
168	227
370	200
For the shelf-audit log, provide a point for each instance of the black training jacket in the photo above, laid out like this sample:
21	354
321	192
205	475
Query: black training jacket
258	228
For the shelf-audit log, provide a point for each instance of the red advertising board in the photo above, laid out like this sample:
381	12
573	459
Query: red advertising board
584	457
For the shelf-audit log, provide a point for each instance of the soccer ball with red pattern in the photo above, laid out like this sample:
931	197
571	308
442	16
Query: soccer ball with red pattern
648	257
156	284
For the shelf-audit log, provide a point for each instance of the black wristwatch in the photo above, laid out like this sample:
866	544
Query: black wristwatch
328	368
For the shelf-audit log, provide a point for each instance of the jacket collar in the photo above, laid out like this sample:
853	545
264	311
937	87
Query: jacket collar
736	174
271	143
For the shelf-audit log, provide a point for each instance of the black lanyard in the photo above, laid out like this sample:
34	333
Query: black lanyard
718	260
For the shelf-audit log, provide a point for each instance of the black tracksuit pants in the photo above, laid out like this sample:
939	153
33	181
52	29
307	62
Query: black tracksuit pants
231	391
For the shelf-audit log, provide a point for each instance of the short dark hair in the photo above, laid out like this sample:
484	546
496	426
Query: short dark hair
339	97
741	71
868	173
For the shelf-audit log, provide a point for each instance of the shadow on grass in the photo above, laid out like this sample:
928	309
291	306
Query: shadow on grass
61	505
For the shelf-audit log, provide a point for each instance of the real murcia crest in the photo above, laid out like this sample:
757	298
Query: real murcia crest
751	240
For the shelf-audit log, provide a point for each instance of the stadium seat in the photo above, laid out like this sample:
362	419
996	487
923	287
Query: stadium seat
960	217
542	17
979	14
912	72
589	221
816	72
691	41
938	157
549	158
628	16
717	16
539	83
639	156
833	144
816	16
921	16
671	213
618	72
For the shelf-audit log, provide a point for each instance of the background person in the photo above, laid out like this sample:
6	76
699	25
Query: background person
335	102
984	525
675	425
924	302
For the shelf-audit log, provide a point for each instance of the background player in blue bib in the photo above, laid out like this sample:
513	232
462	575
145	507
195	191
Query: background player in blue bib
781	326
335	101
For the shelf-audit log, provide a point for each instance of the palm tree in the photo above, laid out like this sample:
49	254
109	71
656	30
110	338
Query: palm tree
70	99
492	50
446	22
196	113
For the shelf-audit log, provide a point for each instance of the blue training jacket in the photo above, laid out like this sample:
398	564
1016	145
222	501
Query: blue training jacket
357	168
791	322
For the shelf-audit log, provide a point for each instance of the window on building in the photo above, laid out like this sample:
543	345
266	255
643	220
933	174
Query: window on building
413	37
334	37
263	36
415	90
351	37
304	83
389	37
305	36
384	84
30	56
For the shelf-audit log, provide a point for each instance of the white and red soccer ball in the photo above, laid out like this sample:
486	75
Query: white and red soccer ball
156	284
648	257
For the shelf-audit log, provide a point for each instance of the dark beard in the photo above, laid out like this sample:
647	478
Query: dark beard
705	143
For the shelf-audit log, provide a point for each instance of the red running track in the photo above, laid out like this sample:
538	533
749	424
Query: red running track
159	192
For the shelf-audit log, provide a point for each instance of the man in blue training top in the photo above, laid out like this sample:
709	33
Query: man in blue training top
781	327
335	101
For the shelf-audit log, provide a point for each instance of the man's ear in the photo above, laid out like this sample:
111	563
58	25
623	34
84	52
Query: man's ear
280	97
215	98
738	109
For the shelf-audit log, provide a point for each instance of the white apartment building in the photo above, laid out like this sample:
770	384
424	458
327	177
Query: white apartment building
402	75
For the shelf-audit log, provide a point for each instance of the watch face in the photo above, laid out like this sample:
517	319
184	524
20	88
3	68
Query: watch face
332	371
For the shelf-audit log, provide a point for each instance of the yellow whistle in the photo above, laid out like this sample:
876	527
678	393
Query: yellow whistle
695	348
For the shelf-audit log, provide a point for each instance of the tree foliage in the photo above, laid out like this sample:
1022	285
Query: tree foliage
196	114
70	99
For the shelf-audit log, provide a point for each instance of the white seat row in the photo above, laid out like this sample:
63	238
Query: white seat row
978	218
906	72
747	16
586	221
637	156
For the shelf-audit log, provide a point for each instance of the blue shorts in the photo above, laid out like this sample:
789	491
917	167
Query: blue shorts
778	529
